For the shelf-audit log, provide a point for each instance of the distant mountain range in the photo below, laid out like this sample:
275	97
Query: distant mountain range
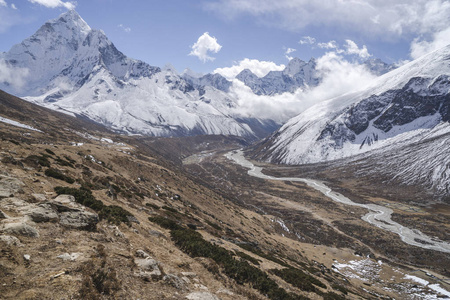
402	119
78	70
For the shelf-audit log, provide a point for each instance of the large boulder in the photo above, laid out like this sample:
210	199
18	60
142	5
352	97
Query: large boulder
148	269
9	186
80	219
43	213
20	228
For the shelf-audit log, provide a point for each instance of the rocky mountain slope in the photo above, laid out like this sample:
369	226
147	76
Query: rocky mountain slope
75	69
405	107
88	214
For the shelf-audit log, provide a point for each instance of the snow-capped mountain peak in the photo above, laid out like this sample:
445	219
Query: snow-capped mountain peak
78	70
294	66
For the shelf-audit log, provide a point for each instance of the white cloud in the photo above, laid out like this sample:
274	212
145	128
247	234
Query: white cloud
421	47
376	18
328	45
352	48
205	44
259	68
3	3
307	40
289	51
124	28
54	3
12	76
13	6
338	77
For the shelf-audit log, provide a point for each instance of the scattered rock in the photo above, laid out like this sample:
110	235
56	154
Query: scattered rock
39	197
26	257
43	213
200	286
10	240
117	231
20	229
175	281
148	269
189	274
6	194
133	219
64	203
201	296
9	186
69	257
225	291
142	254
146	264
157	234
79	219
3	215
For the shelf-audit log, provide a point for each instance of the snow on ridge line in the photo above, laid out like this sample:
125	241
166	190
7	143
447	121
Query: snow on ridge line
18	124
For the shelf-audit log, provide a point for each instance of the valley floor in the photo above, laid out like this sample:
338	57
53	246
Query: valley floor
334	234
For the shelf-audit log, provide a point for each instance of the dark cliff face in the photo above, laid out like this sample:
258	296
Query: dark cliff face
418	98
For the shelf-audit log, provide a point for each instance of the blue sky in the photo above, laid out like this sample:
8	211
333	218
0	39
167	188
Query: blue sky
160	32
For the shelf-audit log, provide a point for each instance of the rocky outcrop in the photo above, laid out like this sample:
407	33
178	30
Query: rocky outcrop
148	267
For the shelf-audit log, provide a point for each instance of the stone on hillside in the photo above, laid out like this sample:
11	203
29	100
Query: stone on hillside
9	186
175	281
146	264
65	203
5	193
3	215
43	213
80	219
149	269
20	229
39	197
142	254
10	240
201	296
69	257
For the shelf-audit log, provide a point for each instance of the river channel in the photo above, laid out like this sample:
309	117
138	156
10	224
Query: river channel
378	215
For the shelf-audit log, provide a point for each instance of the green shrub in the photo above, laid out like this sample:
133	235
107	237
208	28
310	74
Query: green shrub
51	172
50	152
248	257
332	296
299	279
192	243
111	213
340	288
171	209
63	162
152	205
267	256
165	222
37	160
213	225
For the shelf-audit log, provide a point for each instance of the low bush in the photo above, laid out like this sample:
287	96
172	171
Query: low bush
154	206
165	222
248	257
50	152
192	243
111	213
63	162
299	279
36	160
51	172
